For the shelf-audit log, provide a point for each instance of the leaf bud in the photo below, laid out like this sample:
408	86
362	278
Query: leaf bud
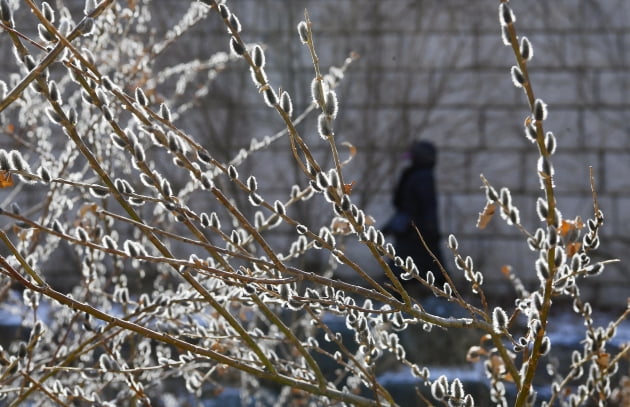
595	269
506	15
236	47
491	193
234	23
165	112
258	56
322	180
17	161
138	152
457	389
331	106
44	34
29	62
107	83
44	174
118	141
204	156
173	143
98	191
452	242
48	12
255	199
545	167
204	219
82	235
86	26
166	187
499	320
286	104
206	181
550	142
57	227
506	197
505	36
141	97
318	89
541	209
531	133
53	115
438	391
270	97
5	13
302	28
545	346
232	173
252	184
517	77
89	7
107	113
542	270
324	126
214	221
279	207
527	52
540	110
224	11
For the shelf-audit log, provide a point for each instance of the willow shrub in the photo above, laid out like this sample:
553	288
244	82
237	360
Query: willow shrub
124	197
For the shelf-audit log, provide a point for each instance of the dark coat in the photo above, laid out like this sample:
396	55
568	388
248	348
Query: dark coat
415	201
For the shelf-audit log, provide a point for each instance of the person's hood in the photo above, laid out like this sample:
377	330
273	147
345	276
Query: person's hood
423	154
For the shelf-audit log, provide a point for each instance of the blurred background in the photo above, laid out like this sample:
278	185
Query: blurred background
429	69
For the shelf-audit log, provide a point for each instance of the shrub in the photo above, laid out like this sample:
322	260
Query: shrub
174	294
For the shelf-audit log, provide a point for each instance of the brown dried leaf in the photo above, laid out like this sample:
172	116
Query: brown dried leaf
486	215
603	360
352	150
565	227
573	248
6	180
89	207
347	188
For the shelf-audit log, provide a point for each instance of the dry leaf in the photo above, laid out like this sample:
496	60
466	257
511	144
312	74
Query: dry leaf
6	180
573	248
353	151
566	227
87	208
347	188
603	360
486	215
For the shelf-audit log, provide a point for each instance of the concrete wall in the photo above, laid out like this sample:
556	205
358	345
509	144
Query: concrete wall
436	69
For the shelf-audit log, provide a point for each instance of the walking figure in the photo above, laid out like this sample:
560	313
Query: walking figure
415	201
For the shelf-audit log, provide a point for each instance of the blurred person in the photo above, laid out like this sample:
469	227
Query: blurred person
415	201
